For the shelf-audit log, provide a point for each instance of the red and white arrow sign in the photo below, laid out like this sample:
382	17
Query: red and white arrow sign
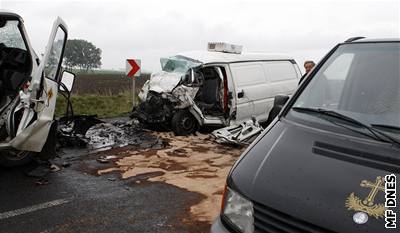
133	68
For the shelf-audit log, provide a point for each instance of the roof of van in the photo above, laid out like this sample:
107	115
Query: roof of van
220	57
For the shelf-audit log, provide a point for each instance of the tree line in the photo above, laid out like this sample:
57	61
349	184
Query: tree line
81	54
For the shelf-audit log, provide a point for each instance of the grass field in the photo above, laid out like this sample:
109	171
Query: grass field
101	105
105	84
106	94
78	71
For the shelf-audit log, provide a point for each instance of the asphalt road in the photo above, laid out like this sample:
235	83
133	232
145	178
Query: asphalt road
77	200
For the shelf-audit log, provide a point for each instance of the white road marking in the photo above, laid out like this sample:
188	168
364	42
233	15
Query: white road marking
33	208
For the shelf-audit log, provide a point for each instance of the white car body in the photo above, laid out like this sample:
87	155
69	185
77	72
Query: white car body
29	112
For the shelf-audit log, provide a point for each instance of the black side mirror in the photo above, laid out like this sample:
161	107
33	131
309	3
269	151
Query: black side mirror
279	102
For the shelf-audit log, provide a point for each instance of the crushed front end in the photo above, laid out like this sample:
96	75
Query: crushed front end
166	92
155	109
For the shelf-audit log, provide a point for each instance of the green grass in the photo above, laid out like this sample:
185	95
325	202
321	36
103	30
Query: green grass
101	105
98	72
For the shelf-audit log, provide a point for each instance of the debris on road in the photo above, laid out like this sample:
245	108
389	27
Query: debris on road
194	163
242	134
54	168
42	182
95	134
71	132
106	159
120	134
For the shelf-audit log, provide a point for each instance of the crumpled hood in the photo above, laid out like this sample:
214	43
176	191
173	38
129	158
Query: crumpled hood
164	81
315	177
160	82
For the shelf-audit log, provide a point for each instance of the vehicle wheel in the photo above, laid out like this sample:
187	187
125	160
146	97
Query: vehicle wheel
183	123
12	157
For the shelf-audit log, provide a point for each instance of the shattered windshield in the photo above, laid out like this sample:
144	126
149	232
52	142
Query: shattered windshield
10	35
178	64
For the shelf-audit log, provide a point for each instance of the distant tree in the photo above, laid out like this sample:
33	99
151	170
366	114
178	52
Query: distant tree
82	54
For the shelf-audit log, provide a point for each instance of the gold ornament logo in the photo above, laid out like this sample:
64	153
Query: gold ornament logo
367	205
50	94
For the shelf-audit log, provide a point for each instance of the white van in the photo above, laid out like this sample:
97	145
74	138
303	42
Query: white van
216	87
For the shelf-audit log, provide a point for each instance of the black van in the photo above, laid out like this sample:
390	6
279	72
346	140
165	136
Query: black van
325	162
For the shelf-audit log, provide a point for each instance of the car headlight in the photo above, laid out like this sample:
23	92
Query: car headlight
238	211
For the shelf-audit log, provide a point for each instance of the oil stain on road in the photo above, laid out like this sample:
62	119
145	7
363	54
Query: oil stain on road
193	163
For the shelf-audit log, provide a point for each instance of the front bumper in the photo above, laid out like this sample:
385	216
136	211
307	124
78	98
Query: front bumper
154	110
218	226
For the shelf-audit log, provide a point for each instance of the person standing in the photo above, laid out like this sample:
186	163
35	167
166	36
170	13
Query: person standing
308	65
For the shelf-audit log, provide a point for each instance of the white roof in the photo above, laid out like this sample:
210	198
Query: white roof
219	57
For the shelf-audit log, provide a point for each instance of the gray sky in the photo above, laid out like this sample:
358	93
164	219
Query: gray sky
150	29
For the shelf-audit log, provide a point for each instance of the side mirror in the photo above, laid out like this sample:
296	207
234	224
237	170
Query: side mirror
279	102
67	81
192	78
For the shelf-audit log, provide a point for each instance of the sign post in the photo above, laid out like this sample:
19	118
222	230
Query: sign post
132	71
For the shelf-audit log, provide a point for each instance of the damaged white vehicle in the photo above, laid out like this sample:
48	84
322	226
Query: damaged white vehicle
218	87
28	91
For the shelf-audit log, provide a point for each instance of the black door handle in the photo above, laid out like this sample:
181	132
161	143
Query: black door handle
241	94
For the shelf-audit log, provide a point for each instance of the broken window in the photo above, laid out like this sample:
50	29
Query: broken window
178	64
10	36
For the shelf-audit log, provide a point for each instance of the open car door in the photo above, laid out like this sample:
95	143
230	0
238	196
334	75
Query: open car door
34	112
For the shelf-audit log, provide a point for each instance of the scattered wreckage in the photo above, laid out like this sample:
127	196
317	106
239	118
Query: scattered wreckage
242	134
28	91
94	134
218	87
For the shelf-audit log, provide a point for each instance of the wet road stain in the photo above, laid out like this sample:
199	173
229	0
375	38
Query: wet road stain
194	163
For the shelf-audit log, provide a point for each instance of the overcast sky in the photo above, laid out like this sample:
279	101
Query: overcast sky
150	29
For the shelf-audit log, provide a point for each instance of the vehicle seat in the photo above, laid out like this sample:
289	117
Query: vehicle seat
208	98
14	71
210	91
12	80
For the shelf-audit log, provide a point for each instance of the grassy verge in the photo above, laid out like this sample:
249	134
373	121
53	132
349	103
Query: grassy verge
101	105
98	72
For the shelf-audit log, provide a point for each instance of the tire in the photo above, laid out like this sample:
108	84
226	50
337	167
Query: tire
12	158
183	123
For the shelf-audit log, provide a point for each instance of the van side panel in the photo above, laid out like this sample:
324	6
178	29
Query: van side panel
250	82
260	82
282	79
